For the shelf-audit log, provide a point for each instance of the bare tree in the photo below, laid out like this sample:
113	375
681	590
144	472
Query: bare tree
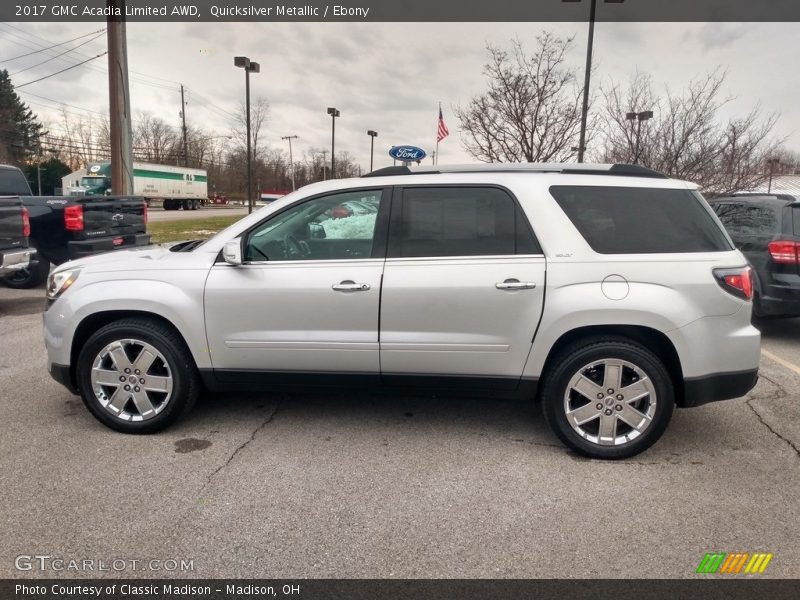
531	111
154	140
259	111
687	138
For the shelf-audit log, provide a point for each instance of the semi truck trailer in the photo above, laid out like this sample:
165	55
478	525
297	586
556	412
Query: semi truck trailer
176	187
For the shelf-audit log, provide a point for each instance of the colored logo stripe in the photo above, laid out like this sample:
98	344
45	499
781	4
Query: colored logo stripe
758	563
722	562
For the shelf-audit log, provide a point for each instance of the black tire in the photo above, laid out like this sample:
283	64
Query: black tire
185	382
571	361
30	277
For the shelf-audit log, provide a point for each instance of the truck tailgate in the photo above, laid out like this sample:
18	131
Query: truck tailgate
110	215
11	226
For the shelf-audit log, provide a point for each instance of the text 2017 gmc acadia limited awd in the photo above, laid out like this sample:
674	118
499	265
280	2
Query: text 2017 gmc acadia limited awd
608	292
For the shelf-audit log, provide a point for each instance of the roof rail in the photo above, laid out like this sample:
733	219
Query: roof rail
567	168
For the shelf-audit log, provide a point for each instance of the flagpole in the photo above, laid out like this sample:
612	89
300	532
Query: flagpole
436	155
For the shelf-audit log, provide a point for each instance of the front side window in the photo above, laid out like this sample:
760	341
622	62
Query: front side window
459	221
335	227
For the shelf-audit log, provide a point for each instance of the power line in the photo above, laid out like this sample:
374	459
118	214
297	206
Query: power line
62	70
27	37
53	46
57	55
206	101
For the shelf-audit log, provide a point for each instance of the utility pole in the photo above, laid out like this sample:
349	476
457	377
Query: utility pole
119	101
291	159
183	116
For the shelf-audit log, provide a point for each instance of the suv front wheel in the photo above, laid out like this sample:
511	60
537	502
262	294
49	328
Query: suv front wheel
608	397
137	376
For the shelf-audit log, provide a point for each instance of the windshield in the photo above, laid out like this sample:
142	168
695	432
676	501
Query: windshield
95	183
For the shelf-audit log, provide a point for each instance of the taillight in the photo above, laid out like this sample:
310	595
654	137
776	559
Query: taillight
785	252
73	217
738	282
26	222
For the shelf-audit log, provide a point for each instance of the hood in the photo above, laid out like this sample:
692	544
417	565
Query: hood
120	260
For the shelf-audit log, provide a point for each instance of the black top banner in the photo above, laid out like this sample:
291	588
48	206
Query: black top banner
402	10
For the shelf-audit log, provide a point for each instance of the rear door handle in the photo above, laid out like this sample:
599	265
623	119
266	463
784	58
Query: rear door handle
350	286
515	284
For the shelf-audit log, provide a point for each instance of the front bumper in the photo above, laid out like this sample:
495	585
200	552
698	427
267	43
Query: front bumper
720	386
15	260
63	375
83	248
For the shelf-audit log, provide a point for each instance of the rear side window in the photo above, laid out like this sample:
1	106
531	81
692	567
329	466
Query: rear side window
747	219
13	183
459	221
796	219
626	220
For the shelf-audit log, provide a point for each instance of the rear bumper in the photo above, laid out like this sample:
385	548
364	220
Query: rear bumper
774	306
83	248
14	260
716	387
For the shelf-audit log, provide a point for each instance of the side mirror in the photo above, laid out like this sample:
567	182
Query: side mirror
232	252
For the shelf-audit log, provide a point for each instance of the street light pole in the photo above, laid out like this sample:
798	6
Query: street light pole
249	67
772	162
291	159
587	76
644	115
333	112
372	135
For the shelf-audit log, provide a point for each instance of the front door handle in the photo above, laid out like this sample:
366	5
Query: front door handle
515	284
350	286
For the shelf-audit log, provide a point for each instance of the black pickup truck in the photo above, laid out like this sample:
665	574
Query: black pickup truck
14	230
69	227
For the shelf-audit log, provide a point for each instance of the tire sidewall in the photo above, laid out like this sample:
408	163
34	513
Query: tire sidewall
568	366
35	275
181	384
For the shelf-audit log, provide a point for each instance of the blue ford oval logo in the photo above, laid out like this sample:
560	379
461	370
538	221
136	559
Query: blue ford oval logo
407	153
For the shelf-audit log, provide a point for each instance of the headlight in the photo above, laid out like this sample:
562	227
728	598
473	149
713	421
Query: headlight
60	281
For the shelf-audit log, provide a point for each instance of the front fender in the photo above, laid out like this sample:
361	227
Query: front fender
179	302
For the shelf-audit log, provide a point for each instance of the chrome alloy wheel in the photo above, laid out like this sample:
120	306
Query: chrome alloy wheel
131	380
610	402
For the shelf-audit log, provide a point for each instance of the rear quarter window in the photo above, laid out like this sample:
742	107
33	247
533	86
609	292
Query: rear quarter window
748	219
630	220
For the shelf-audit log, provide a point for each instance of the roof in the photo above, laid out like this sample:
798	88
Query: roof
570	168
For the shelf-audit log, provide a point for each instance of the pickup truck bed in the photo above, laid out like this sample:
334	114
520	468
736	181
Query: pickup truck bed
69	227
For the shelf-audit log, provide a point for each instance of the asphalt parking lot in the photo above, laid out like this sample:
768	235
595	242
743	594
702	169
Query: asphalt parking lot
356	486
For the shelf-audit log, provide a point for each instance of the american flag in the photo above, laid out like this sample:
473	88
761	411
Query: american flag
442	131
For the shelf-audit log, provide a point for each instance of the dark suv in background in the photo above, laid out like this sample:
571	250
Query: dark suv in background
766	228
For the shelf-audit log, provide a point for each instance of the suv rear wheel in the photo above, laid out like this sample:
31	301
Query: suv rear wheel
608	397
137	376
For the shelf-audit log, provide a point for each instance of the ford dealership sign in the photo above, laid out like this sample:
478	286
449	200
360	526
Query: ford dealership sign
407	153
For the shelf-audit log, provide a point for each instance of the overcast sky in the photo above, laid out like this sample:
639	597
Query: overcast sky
388	77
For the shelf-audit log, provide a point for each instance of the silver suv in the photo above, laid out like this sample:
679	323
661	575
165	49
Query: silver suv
609	293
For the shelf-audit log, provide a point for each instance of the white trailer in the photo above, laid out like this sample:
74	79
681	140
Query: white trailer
175	186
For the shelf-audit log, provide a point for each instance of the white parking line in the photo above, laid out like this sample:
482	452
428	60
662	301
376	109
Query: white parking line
780	361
